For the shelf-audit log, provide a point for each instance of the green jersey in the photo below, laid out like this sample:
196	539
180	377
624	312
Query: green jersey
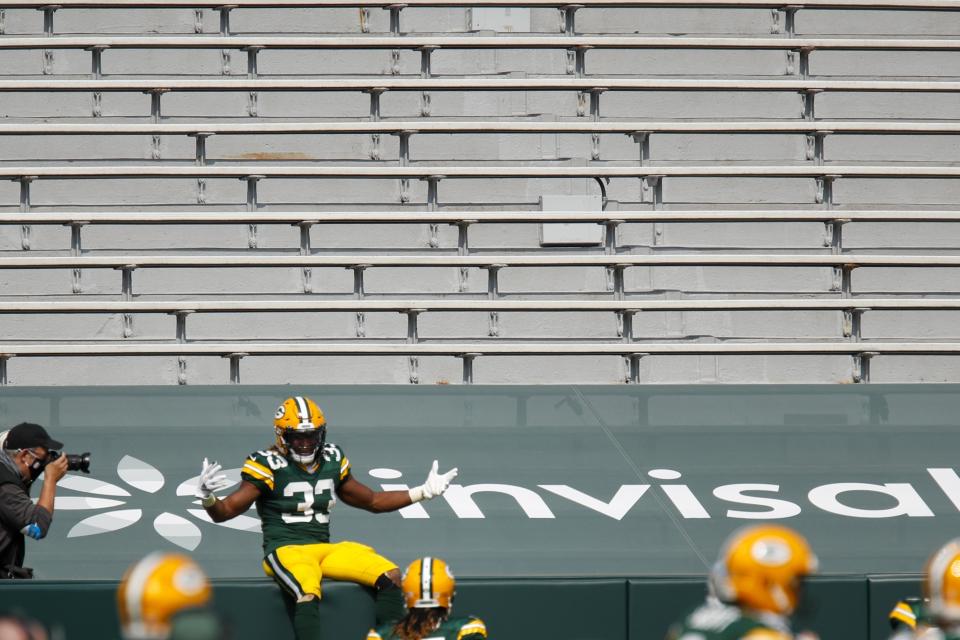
715	620
294	504
469	628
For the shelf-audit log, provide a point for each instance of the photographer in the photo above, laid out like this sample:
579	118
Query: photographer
25	454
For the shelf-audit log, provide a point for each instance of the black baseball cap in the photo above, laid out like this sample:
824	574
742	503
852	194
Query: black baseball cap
27	434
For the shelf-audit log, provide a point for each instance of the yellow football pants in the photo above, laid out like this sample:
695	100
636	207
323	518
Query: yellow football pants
298	568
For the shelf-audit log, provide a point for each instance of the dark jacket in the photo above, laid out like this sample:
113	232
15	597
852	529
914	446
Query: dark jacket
16	513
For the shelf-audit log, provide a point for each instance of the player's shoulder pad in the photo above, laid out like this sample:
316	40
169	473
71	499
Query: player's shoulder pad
904	612
332	452
260	465
261	455
765	633
268	456
471	626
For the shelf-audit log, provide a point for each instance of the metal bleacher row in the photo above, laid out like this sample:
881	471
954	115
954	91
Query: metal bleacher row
53	184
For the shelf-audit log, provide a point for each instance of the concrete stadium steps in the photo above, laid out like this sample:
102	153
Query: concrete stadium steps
615	20
673	369
518	147
504	149
800	325
440	370
659	105
514	193
458	62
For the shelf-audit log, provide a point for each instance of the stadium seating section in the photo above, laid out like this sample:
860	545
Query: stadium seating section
490	191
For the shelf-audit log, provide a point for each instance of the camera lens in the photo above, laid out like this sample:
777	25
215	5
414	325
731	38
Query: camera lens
79	462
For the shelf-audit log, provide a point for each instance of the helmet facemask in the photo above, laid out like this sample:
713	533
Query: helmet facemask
300	429
304	442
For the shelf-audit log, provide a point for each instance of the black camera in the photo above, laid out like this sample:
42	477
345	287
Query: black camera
75	461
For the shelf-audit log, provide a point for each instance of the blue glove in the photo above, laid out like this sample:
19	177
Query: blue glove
33	530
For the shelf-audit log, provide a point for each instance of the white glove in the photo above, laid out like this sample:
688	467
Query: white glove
209	482
435	485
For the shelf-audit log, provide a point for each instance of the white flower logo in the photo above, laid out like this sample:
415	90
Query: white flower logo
145	477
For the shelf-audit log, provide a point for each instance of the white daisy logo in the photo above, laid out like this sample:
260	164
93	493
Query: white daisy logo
144	477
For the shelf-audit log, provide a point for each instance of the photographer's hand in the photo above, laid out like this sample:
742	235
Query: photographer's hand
52	474
55	470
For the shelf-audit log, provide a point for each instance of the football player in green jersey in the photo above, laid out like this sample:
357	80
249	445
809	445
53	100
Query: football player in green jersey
428	590
908	619
294	484
756	582
941	586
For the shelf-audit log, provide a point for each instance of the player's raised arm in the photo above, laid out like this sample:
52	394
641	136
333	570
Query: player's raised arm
210	481
357	494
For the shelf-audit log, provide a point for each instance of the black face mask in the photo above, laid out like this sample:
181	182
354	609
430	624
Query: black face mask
35	468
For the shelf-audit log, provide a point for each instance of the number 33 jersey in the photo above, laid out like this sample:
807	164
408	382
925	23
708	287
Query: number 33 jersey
294	504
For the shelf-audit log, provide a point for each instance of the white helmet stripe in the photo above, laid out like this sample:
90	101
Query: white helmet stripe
133	594
302	409
426	579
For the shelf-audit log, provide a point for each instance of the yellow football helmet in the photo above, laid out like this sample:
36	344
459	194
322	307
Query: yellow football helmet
300	429
157	588
909	613
427	583
941	582
760	568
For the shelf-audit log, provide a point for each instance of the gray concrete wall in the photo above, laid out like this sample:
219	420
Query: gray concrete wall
646	283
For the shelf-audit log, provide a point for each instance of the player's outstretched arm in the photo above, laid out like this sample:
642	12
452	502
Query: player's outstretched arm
211	480
357	494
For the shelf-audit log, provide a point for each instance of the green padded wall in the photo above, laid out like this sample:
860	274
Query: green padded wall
884	592
254	609
569	481
836	607
608	500
847	607
549	608
656	603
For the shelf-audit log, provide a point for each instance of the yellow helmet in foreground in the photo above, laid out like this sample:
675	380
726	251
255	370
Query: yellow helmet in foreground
941	582
157	588
300	429
427	583
760	568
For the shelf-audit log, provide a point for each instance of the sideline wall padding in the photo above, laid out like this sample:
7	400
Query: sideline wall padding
257	609
655	604
82	609
884	592
847	607
837	607
254	609
581	609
